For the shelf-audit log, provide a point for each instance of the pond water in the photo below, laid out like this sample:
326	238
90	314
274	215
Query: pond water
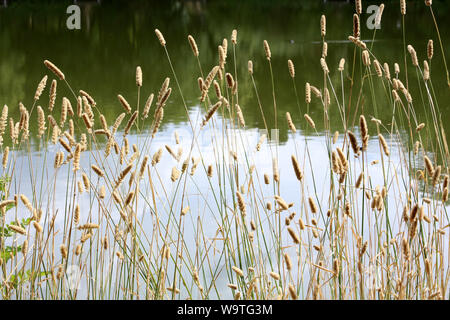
115	37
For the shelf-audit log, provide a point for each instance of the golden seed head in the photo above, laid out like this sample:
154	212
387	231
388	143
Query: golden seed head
445	195
324	65
312	205
297	169
175	174
160	37
234	36
430	49
52	95
358	6
63	250
386	70
241	203
366	58
211	112
37	226
240	115
290	122
250	66
267	50
379	15
147	106
17	229
292	292
356	26
291	68
310	121
403	7
378	68
193	45
324	50
5	157
40	88
124	103
293	235
353	142
221	57
323	26
413	54
97	170
230	80
341	64
288	261
54	69
138	76
396	68
238	271
384	144
308	93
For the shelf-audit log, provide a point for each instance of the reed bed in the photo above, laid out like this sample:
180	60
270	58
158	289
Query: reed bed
110	211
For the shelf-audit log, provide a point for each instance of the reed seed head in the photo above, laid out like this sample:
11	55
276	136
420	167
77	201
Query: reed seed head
17	229
312	205
426	71
403	7
138	76
290	123
358	6
341	64
308	93
250	67
429	166
324	50
413	54
5	157
366	58
234	36
353	142
287	261
291	68
193	45
52	95
160	37
241	203
297	169
430	49
378	68
379	15
323	26
54	69
40	88
310	121
384	144
238	271
124	103
356	26
293	235
267	50
324	65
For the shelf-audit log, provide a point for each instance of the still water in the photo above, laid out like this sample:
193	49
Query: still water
115	37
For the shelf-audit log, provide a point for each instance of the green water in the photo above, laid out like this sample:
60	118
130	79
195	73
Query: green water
116	36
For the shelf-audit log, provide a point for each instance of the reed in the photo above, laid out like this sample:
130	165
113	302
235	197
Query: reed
237	218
